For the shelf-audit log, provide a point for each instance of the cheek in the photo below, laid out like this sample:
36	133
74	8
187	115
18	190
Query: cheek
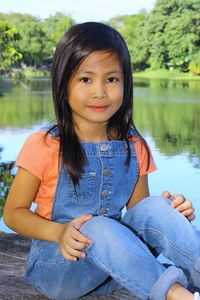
76	98
120	96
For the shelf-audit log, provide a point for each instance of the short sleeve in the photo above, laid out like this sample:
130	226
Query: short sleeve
34	154
141	150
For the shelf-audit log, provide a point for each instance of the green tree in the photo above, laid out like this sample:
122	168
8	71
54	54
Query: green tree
130	28
8	52
173	33
17	18
56	25
34	42
194	65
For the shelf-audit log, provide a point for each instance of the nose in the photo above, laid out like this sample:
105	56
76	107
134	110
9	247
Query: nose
100	90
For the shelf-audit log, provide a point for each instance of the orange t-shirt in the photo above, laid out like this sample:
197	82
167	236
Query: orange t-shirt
40	157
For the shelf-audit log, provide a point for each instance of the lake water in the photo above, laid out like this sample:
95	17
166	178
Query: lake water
166	112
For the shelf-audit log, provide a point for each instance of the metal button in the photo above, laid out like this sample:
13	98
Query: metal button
105	193
106	172
104	147
103	210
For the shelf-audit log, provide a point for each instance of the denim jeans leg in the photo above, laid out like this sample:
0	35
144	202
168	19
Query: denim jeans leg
61	279
168	232
123	256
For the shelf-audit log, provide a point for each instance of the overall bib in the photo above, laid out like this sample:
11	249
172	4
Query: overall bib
116	257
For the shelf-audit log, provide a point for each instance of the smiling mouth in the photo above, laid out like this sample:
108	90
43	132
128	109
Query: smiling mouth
98	108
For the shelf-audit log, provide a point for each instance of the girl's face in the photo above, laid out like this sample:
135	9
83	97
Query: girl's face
95	90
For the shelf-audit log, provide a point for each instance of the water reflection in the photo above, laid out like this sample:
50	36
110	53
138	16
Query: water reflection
169	83
168	111
175	127
27	106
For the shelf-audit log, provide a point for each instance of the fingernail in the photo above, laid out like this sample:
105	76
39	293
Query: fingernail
83	255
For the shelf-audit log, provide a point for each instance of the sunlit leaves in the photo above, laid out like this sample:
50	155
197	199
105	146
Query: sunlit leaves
8	53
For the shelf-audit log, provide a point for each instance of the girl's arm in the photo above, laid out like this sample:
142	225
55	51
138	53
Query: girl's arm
140	192
17	214
19	217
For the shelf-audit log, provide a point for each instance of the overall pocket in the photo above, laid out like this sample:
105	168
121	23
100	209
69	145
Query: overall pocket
84	190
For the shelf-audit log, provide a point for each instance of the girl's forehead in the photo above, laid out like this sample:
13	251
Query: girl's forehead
100	59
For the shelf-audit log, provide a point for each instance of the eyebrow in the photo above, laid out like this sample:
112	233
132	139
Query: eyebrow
91	72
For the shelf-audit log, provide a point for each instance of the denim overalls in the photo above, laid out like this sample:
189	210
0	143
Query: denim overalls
116	257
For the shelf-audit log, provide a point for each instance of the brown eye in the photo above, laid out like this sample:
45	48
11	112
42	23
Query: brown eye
86	80
112	79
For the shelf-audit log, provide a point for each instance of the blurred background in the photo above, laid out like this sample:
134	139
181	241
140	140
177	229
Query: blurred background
163	37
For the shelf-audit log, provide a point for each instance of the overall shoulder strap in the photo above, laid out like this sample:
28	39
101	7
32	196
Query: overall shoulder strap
51	129
133	134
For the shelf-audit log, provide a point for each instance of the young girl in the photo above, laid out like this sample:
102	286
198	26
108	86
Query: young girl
83	171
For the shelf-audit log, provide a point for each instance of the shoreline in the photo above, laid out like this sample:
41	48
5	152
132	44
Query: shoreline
166	75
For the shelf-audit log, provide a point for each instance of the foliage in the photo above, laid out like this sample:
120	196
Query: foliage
20	78
34	40
173	33
130	28
194	65
6	179
56	25
33	44
8	53
166	38
17	18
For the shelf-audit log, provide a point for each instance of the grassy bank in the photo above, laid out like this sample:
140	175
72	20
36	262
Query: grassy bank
30	72
165	74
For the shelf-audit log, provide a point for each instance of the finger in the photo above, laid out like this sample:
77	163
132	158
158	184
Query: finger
166	194
177	201
79	221
67	256
187	212
184	206
191	217
73	252
174	196
67	248
77	245
77	235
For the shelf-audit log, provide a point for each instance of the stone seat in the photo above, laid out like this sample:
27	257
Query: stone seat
13	251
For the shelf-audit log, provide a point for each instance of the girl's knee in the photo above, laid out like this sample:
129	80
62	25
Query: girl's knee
99	226
156	204
148	209
108	235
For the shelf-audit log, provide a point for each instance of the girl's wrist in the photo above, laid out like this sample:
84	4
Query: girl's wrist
59	231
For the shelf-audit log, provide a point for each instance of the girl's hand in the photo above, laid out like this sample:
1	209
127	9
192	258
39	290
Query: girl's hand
181	204
71	241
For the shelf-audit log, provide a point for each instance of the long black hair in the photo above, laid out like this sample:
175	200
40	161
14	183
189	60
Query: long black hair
75	45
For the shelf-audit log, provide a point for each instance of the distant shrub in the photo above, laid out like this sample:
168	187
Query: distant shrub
194	65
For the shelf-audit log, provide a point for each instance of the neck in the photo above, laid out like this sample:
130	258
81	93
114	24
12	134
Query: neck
96	133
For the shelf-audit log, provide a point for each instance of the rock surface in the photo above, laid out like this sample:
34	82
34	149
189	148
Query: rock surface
13	251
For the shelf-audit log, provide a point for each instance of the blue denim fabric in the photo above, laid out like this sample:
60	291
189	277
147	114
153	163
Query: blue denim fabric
117	257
